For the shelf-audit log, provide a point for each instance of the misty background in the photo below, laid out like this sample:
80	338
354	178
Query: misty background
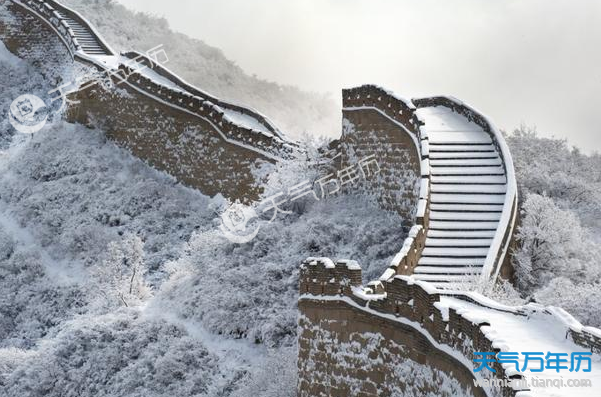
534	62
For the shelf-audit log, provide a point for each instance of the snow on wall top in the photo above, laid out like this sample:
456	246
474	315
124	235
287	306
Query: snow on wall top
58	18
456	321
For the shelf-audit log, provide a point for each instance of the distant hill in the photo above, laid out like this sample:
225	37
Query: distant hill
293	110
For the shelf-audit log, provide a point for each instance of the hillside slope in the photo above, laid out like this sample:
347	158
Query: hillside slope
115	281
293	110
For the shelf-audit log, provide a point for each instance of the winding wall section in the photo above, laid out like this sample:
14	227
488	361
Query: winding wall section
216	146
352	338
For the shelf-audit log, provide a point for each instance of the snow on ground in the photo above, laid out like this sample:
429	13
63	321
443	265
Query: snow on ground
442	119
67	194
537	332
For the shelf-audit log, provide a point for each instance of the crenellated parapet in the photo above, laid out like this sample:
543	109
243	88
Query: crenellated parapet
321	276
395	107
206	143
411	311
263	122
266	139
406	259
379	124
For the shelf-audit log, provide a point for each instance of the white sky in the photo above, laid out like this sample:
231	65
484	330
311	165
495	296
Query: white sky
531	61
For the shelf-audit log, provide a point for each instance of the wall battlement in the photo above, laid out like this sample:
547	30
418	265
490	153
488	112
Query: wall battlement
395	107
412	314
378	124
331	287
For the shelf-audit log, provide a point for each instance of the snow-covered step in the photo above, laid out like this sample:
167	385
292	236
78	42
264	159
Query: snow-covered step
466	242
465	216
448	270
453	262
460	137
469	179
492	170
457	278
463	207
462	225
477	189
467	194
496	161
453	286
472	252
458	148
85	37
463	155
441	118
467	198
461	234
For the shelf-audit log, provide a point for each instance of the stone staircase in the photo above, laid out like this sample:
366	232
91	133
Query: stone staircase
88	40
205	142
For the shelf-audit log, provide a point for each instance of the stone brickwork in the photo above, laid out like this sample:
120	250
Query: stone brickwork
206	97
179	143
184	132
589	338
399	109
346	352
377	124
31	39
399	315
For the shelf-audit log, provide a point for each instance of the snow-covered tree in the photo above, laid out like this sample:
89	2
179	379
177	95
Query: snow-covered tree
552	243
120	277
580	299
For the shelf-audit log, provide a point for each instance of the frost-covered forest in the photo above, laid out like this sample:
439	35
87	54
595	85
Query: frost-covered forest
558	258
116	281
114	278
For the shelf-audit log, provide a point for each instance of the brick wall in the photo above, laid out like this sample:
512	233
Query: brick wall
185	141
590	339
172	140
398	314
29	38
345	352
375	123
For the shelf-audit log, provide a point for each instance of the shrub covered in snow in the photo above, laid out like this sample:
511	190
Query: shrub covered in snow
558	258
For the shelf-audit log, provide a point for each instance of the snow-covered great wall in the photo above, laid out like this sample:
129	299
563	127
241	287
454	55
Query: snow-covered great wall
444	167
207	143
354	338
